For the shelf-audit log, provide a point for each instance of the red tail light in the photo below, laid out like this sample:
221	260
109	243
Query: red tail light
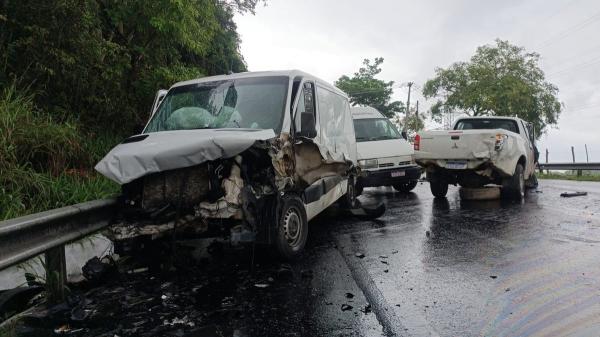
417	142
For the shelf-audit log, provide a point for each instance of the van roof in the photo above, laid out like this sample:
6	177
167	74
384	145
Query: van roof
288	73
362	112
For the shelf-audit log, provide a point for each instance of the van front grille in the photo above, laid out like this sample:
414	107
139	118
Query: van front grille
386	164
404	163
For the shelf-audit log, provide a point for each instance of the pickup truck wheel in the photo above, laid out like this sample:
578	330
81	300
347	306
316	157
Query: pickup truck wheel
439	188
406	187
514	187
292	228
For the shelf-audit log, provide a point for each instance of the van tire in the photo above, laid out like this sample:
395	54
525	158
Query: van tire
348	200
406	187
438	186
514	187
292	228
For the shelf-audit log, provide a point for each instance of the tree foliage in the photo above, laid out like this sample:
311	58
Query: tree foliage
364	89
500	79
100	62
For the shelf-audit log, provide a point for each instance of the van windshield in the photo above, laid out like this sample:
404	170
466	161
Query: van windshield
481	123
254	103
371	129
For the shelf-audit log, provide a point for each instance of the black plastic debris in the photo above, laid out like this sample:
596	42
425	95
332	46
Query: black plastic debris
349	295
359	255
96	269
493	276
366	309
572	194
346	307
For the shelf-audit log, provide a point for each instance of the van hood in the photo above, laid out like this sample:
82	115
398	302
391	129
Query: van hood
167	150
383	148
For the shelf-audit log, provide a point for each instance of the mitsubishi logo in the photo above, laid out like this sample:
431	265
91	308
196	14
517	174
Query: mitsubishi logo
455	146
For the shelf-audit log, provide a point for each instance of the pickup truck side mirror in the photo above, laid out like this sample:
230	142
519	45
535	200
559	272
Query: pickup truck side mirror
308	127
404	135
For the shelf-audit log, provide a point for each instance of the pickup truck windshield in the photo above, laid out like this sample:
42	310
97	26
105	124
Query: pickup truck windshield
370	129
256	103
482	124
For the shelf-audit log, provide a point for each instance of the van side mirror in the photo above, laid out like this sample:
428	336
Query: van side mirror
308	126
404	135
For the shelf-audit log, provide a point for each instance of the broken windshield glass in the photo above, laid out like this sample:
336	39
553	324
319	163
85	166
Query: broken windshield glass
254	103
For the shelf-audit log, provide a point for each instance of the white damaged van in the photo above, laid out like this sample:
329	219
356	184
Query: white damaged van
253	156
384	156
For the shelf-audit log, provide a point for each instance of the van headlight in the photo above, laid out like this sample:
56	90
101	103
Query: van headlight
368	163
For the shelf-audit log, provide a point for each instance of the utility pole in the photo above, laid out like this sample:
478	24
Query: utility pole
417	112
587	158
410	84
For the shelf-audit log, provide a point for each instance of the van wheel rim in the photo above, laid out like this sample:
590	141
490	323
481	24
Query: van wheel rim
292	226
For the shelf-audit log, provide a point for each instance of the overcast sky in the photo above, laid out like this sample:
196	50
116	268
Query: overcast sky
331	38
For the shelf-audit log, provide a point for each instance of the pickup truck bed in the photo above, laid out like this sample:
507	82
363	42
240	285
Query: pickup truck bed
468	149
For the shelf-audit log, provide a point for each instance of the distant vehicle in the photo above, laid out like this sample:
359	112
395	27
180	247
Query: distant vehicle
253	155
384	156
479	151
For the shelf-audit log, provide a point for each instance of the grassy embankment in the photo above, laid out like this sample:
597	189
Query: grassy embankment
44	163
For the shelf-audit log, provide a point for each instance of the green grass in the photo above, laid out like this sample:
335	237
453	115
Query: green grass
44	163
569	176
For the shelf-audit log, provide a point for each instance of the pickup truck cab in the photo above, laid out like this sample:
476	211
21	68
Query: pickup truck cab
479	151
384	156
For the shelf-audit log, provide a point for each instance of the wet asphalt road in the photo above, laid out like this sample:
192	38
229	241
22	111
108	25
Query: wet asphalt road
430	268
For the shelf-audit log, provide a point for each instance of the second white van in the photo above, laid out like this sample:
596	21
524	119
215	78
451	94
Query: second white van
384	156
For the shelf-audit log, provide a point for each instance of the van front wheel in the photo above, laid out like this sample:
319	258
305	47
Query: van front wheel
292	228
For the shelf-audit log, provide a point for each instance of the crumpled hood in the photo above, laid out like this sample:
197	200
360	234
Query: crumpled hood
168	150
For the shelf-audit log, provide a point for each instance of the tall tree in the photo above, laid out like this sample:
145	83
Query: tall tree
501	80
364	89
100	61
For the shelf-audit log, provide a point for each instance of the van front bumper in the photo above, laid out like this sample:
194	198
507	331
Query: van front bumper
388	177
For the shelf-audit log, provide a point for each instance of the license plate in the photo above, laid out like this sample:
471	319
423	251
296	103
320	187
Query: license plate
456	165
398	174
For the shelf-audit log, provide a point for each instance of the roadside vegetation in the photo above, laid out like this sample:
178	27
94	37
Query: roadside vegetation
585	176
78	76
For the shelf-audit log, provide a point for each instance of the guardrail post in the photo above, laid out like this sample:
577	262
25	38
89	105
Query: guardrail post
56	274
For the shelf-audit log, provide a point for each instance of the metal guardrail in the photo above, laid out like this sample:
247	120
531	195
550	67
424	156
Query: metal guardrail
569	166
47	233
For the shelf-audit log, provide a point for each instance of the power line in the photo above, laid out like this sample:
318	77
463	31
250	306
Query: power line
575	28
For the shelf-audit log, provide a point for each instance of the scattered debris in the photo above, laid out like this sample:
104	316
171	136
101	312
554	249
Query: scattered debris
394	252
366	309
572	194
384	262
261	285
493	276
183	321
346	307
137	270
507	289
96	270
328	303
359	255
63	329
386	270
427	233
383	256
349	295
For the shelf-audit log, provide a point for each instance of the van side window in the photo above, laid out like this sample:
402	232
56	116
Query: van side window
306	103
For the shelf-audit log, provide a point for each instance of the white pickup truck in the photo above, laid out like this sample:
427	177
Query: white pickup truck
479	151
